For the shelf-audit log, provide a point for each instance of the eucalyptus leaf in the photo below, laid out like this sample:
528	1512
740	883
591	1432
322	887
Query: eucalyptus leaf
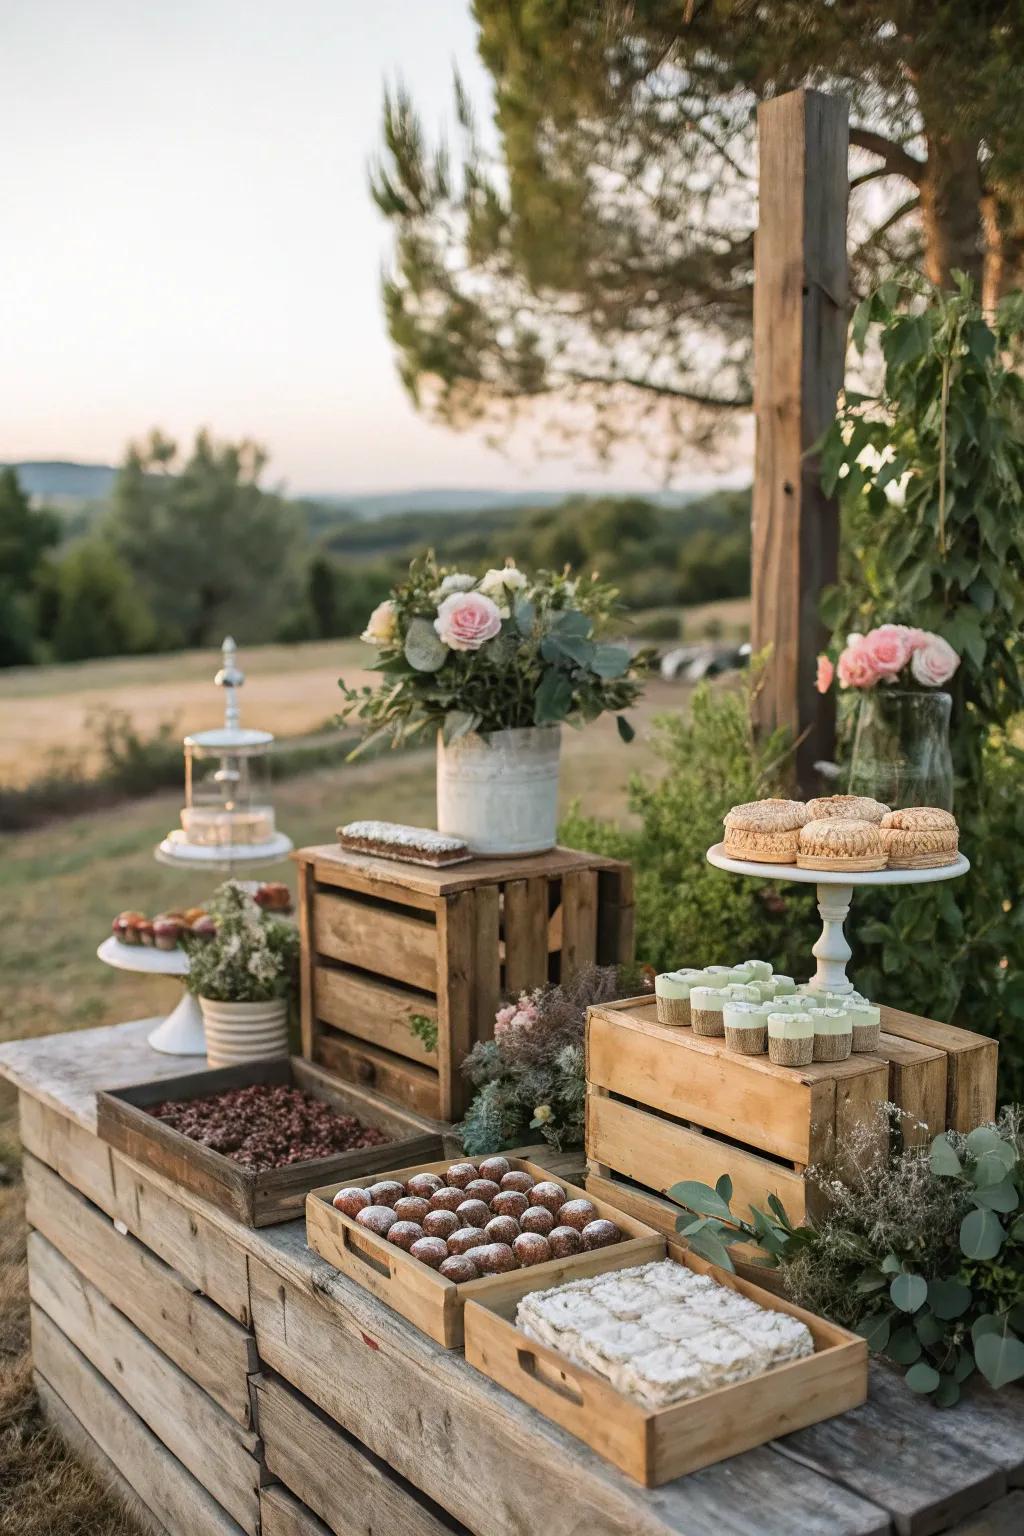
875	1329
711	1247
624	728
457	723
943	1160
1002	1197
700	1197
948	1299
1000	1357
922	1377
904	1347
573	622
425	651
891	1265
525	615
553	698
928	1328
908	1292
610	660
947	1393
981	1235
723	1188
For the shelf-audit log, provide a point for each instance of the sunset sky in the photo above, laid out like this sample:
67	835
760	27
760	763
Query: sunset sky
189	239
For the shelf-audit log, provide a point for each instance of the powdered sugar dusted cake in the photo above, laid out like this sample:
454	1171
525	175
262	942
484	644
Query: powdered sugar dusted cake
661	1333
408	845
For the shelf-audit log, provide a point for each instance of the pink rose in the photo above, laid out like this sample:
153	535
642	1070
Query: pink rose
467	620
889	648
503	1018
934	661
826	672
856	667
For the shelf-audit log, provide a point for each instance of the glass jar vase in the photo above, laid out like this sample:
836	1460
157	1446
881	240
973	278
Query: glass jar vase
901	752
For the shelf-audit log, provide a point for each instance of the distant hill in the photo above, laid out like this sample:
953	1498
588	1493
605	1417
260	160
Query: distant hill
399	503
59	480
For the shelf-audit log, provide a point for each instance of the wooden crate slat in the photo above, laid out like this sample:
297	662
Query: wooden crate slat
73	1152
347	1486
971	1068
486	959
81	1444
917	1083
336	866
376	938
212	1446
526	935
218	1353
579	921
395	1077
385	879
373	1010
616	916
177	1500
282	1514
307	887
456	940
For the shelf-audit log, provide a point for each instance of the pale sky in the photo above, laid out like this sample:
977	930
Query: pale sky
189	239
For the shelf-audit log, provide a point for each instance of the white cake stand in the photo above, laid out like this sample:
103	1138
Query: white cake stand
177	851
835	893
181	1033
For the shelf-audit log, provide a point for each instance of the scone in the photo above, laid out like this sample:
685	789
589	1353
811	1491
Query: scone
847	846
847	808
919	837
764	831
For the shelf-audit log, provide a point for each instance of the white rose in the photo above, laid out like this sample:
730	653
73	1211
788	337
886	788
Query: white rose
382	625
498	585
456	582
934	661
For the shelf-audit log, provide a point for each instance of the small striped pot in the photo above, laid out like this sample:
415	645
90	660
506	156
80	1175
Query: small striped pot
244	1031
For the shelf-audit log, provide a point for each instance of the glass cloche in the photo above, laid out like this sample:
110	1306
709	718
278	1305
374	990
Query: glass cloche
228	816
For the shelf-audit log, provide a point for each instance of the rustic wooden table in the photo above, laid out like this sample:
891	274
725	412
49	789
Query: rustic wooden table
234	1382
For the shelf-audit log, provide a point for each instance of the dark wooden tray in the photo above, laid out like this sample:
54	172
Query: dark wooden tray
279	1194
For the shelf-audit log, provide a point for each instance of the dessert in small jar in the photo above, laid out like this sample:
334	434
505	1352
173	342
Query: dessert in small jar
746	1027
866	1019
791	1039
764	831
706	1004
672	994
833	1033
778	985
166	932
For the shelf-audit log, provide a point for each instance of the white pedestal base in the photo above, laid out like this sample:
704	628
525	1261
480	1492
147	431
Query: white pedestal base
832	951
181	1033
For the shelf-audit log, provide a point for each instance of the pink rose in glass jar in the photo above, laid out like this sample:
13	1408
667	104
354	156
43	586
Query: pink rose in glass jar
889	648
826	672
856	668
934	661
467	620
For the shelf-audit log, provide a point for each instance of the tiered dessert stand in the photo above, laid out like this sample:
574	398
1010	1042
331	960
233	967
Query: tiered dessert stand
835	894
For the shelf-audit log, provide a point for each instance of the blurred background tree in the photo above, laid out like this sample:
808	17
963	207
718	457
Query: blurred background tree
601	259
26	537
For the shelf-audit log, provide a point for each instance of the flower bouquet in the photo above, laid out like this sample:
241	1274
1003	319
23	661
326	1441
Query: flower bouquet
245	977
494	665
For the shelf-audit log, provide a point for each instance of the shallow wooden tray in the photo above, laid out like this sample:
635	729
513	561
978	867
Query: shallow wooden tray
426	1298
655	1445
257	1199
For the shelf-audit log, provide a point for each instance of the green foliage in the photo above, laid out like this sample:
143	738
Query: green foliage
254	956
923	1255
424	1029
100	611
687	911
545	664
26	536
930	476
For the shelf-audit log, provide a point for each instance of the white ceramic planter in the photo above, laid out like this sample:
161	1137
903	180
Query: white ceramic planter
500	792
244	1031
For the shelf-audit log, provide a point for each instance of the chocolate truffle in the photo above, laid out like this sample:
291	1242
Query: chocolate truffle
460	1174
482	1189
424	1184
465	1239
430	1250
412	1208
440	1223
509	1202
446	1200
474	1213
404	1233
537	1218
459	1267
531	1248
351	1200
576	1213
502	1229
518	1180
600	1234
495	1259
378	1218
386	1192
548	1193
564	1242
494	1168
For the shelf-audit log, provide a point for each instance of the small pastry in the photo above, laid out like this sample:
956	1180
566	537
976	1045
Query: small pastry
424	1185
764	831
706	1004
509	1202
846	808
145	932
204	928
577	1213
564	1242
791	1039
412	1208
465	1239
717	975
446	1199
840	845
166	932
502	1229
760	970
481	1189
517	1179
672	995
746	1027
351	1200
919	837
866	1019
795	1002
273	896
549	1194
378	1218
494	1259
495	1168
189	916
460	1174
126	927
537	1218
459	1268
440	1224
386	1192
432	1251
833	1033
599	1233
531	1248
404	1233
474	1213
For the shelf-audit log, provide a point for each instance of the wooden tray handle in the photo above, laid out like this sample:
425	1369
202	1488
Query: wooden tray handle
552	1377
382	1266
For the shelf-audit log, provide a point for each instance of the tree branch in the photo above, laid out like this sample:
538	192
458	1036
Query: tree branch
894	218
667	391
896	158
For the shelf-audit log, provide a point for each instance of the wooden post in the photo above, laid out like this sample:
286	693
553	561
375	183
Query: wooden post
800	317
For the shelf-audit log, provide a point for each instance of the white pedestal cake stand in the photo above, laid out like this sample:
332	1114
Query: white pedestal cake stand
835	893
181	1033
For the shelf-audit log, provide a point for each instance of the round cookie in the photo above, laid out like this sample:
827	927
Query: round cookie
845	846
919	837
846	808
764	831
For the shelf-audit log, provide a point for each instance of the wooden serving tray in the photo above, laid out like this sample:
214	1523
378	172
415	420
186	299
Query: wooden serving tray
279	1194
656	1445
426	1298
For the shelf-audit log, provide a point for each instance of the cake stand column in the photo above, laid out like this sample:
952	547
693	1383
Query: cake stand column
181	1033
832	951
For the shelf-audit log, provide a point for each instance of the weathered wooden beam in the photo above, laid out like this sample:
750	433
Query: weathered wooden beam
800	316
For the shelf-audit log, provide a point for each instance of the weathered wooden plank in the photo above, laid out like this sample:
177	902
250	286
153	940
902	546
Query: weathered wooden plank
579	921
373	1010
392	943
971	1068
917	1083
616	916
84	1447
282	1514
338	867
526	935
307	1015
181	1505
349	1487
409	1083
862	1131
221	1455
904	1455
70	1150
1003	1518
800	298
456	943
208	1345
486	959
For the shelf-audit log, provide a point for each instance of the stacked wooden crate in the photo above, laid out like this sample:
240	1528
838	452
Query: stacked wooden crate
664	1105
404	967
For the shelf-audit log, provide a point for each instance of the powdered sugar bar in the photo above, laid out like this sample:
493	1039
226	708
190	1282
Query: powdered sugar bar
662	1333
410	845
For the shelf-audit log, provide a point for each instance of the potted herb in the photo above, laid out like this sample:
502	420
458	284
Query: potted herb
244	975
495	665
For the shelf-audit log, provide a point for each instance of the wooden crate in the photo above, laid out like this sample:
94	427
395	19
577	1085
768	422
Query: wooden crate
389	946
426	1298
971	1066
278	1194
656	1445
